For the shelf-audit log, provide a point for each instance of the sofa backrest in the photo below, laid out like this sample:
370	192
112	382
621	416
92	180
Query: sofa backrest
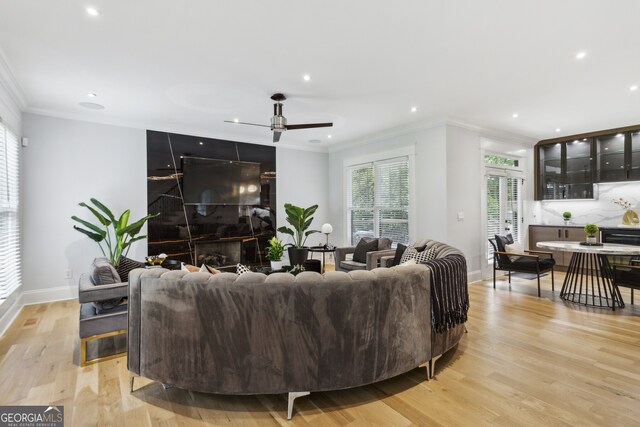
272	334
442	249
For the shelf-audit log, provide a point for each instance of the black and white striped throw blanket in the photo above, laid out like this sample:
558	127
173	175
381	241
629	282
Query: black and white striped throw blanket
449	293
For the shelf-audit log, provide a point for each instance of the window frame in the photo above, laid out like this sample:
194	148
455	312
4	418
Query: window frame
350	163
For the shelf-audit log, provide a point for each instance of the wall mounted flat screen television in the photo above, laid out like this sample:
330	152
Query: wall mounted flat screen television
220	182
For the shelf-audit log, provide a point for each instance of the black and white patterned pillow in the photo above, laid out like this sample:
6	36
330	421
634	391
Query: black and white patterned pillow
420	257
241	269
125	265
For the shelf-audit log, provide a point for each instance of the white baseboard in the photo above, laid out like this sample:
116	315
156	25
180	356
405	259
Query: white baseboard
474	276
39	296
10	315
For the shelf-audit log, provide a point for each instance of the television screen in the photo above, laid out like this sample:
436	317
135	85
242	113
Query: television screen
220	182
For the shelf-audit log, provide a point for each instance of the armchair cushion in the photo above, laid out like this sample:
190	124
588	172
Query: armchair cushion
103	273
516	248
125	265
364	246
531	264
502	242
398	256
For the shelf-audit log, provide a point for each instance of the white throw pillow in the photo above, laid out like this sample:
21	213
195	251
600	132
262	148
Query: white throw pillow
515	248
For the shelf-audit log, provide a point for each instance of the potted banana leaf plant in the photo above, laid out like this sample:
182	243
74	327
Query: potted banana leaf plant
300	220
116	235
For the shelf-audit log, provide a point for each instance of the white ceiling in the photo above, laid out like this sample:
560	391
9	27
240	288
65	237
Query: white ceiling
188	65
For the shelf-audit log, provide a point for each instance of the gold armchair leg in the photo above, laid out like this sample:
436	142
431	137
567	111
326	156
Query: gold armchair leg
83	348
83	352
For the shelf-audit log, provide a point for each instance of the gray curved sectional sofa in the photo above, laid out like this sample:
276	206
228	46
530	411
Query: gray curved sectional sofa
258	334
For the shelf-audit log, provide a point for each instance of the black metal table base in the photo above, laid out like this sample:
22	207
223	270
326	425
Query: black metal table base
589	281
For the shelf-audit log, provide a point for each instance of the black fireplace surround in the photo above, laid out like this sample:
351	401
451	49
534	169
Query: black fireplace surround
220	235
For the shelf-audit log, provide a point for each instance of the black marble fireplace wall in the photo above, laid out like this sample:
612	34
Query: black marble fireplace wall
219	235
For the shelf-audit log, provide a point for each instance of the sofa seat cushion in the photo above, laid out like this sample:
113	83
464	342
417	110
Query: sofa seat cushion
352	265
530	264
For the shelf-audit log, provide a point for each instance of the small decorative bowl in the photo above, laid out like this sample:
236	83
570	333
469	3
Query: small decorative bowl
155	259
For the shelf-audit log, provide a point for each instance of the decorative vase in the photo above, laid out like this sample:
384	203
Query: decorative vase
297	256
591	240
276	265
630	217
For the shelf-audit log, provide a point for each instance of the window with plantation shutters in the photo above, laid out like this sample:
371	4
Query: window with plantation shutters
10	272
378	200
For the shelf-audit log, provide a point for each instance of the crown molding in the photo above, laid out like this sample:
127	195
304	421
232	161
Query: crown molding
431	123
163	127
10	84
434	122
495	134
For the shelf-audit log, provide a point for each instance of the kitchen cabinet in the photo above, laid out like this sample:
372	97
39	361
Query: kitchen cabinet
545	233
565	170
567	167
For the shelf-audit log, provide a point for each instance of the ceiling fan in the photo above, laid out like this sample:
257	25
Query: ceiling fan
279	122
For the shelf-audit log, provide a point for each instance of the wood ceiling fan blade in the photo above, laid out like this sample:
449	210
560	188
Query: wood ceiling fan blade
276	136
245	123
309	126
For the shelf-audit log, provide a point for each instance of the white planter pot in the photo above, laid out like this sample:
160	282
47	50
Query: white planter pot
276	265
591	240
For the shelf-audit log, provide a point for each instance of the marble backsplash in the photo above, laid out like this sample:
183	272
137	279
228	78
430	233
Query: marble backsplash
601	211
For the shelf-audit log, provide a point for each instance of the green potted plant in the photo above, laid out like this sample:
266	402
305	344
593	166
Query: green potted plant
567	216
300	220
275	252
591	230
116	234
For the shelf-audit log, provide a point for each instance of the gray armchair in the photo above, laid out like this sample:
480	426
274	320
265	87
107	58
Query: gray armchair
374	258
103	309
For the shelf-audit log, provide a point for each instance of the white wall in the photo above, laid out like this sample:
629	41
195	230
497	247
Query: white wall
68	162
463	179
430	192
303	180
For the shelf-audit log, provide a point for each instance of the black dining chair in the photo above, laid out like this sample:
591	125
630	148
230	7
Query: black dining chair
627	275
535	262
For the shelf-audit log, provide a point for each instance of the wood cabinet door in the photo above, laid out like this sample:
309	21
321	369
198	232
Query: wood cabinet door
574	235
547	234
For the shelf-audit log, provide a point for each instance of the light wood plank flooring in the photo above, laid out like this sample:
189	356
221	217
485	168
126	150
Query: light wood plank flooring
525	361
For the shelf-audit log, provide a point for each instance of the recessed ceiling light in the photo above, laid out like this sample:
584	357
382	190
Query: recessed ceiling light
314	141
306	77
201	143
558	129
92	95
581	55
92	11
235	120
633	88
414	109
91	105
514	115
329	136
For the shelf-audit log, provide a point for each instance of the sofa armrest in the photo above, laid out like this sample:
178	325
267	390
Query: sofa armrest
373	257
341	253
387	261
88	292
